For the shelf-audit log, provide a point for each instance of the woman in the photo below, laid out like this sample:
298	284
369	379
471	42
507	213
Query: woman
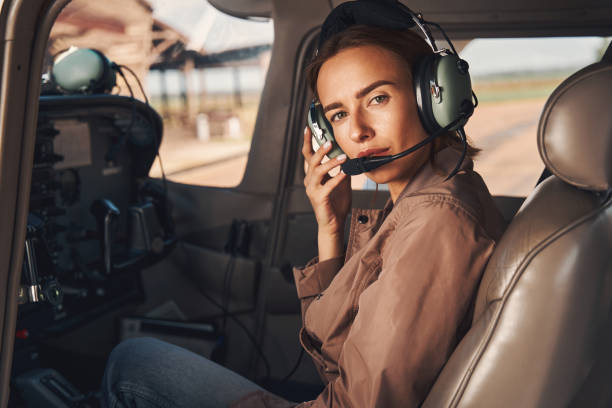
381	318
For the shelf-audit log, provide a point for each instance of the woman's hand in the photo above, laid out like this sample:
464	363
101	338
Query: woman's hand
330	197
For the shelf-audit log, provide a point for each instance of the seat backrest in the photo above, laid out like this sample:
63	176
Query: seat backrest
541	334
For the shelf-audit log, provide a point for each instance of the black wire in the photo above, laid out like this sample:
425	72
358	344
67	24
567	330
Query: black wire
295	367
137	81
208	297
246	331
157	141
120	72
110	156
240	324
463	138
227	288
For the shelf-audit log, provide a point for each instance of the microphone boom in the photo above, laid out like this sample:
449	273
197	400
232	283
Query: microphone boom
353	167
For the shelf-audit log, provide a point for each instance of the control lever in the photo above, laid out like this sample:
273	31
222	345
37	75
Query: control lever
105	212
32	290
36	288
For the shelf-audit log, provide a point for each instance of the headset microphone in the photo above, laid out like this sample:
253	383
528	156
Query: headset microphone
353	167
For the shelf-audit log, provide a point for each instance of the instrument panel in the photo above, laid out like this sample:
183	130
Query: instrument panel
95	218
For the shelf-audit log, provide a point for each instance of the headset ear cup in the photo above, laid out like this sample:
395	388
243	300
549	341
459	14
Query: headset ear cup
322	130
454	101
103	81
323	118
448	78
422	75
108	79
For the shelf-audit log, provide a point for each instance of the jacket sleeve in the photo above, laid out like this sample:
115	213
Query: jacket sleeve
408	320
314	278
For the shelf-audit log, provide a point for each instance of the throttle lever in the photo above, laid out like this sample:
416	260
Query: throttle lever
31	268
105	212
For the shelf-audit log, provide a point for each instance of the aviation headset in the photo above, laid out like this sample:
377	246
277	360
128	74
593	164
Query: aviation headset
441	80
83	70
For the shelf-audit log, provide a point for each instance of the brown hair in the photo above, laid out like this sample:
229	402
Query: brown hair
407	44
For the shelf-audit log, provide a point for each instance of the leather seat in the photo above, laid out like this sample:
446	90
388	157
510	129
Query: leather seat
541	333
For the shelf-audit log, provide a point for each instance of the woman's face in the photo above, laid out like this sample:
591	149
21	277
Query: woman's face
367	95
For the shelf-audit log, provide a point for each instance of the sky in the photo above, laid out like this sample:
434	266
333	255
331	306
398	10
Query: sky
209	28
503	56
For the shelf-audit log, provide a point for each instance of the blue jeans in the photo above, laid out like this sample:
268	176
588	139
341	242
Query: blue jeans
145	372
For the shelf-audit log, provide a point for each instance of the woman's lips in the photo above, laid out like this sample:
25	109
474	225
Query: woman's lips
373	152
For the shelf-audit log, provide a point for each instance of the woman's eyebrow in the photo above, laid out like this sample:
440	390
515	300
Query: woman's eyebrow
372	86
361	93
331	106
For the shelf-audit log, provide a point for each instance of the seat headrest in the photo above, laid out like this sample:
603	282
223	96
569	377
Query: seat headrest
575	130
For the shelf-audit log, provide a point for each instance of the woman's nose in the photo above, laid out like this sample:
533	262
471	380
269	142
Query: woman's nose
360	130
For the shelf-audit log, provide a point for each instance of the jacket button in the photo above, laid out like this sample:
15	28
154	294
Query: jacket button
362	219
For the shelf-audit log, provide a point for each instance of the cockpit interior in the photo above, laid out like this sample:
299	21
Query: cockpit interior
151	185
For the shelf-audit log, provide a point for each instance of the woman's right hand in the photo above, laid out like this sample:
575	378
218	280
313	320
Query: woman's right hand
330	197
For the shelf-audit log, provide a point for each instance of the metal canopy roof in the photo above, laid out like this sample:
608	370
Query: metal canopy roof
241	56
482	18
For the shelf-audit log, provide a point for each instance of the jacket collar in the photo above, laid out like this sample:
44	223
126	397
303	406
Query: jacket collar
366	222
427	176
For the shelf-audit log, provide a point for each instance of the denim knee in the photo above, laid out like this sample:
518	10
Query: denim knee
133	372
145	372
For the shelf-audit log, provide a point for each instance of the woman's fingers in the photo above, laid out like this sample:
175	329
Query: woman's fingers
326	167
318	173
333	182
317	157
319	176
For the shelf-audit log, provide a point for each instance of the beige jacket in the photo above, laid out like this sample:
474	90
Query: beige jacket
381	322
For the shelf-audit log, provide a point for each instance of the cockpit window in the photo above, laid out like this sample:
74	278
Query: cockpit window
202	70
513	79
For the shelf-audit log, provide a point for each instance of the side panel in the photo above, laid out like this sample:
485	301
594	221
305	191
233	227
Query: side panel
26	25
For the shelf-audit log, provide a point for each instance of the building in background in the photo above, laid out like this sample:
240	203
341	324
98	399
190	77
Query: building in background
202	70
175	66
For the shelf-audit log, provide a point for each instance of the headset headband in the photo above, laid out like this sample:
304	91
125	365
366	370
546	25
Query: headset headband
384	14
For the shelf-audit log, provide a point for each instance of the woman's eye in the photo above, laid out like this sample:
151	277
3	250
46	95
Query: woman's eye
337	116
379	99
